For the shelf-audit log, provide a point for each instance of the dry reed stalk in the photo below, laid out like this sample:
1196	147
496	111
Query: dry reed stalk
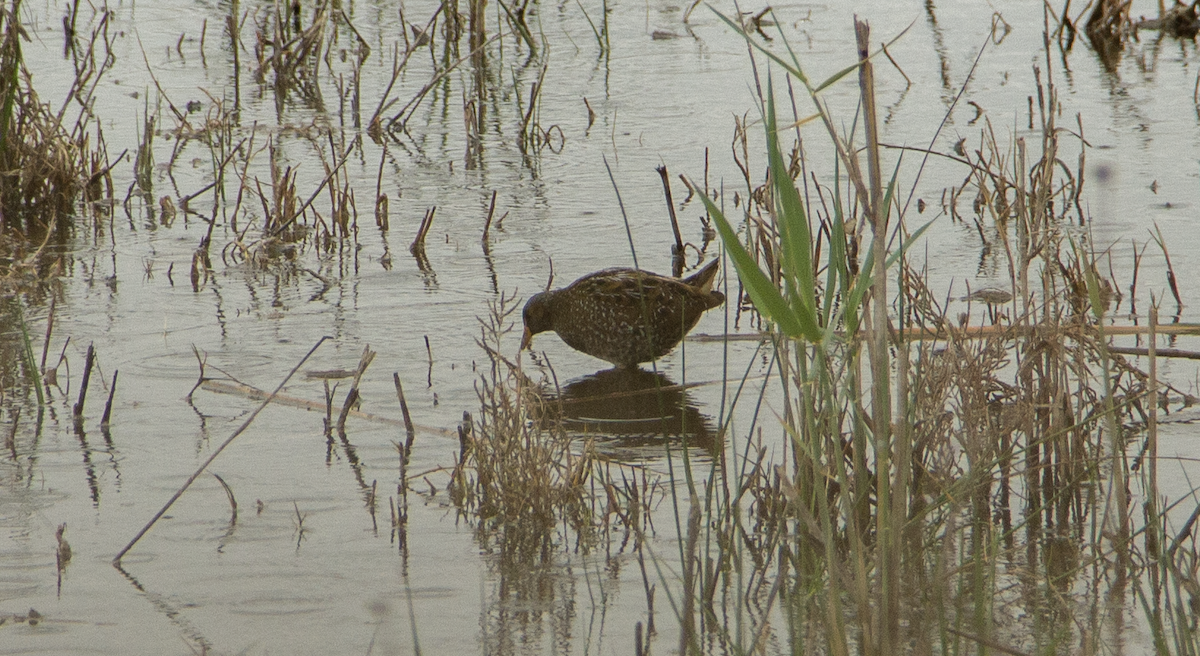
233	506
112	391
327	420
398	120
474	113
233	30
10	441
246	424
408	425
381	199
689	641
398	66
429	356
368	356
1152	425
417	248
677	259
49	332
89	361
487	224
255	394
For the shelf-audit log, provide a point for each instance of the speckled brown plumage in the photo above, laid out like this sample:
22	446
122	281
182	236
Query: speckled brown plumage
624	316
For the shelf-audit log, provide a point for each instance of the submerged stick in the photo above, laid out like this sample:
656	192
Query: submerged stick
116	561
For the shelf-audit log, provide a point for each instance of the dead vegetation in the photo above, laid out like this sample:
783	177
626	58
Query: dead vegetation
948	469
982	472
47	160
520	478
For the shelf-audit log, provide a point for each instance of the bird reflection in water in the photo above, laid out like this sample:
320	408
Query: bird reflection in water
634	407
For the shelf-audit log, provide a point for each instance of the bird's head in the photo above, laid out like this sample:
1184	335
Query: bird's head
536	317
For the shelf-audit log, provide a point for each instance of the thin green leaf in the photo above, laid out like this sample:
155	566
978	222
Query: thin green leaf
891	259
863	282
795	237
795	71
766	296
835	77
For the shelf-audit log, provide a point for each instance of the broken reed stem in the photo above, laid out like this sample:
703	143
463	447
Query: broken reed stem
352	396
418	245
232	500
888	526
11	441
429	353
1171	282
351	399
381	199
688	641
1158	353
1152	421
49	330
408	425
1171	279
233	28
87	374
677	251
116	561
112	391
487	225
1137	262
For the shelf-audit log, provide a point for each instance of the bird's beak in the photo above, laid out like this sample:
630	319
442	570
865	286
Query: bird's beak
526	338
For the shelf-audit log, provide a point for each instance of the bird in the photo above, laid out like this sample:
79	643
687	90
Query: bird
624	316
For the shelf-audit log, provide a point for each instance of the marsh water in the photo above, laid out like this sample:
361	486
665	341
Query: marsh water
308	567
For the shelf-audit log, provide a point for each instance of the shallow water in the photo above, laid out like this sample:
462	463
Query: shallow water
310	571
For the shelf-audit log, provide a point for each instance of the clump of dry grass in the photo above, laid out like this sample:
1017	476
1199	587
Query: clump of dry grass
44	162
524	482
514	469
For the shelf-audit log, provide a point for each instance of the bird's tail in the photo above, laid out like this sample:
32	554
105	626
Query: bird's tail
703	279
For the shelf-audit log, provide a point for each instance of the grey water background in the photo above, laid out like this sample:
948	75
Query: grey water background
666	93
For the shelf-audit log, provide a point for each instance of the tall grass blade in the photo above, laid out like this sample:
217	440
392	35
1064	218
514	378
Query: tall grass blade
766	297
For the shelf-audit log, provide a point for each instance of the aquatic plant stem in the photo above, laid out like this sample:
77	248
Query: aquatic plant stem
888	554
116	561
